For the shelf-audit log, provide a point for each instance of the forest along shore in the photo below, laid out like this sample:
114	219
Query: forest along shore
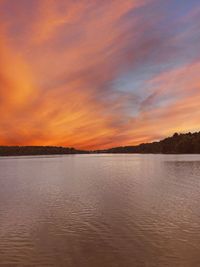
188	143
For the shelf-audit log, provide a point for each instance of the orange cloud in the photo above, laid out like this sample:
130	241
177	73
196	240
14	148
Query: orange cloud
59	64
182	114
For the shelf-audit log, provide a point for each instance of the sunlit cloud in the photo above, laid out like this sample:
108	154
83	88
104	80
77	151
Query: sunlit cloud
95	74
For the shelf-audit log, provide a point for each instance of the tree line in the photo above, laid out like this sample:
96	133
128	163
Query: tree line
188	143
37	150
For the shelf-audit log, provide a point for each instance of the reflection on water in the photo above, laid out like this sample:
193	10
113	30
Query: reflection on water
100	211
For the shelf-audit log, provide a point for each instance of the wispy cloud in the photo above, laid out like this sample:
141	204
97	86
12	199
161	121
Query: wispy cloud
62	62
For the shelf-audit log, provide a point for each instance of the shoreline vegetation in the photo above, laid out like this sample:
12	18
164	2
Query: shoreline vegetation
188	143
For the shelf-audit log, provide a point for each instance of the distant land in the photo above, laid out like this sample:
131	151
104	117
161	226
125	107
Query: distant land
188	143
37	150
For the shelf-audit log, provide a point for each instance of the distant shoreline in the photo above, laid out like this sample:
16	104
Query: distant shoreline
54	155
188	143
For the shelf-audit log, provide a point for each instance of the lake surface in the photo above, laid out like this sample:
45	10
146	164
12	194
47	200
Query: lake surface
100	211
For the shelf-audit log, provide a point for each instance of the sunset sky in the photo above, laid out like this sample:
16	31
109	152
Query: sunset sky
98	73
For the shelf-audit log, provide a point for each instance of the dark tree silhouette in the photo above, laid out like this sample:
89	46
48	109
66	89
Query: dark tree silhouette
37	150
188	143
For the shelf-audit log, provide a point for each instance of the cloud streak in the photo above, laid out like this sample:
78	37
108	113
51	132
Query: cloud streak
97	74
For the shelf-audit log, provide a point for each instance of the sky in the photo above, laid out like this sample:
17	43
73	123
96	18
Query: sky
95	74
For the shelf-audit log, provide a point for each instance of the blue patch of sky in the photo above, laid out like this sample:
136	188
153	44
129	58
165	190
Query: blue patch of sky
170	26
169	23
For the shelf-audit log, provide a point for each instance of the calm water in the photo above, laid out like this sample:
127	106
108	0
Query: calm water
100	211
